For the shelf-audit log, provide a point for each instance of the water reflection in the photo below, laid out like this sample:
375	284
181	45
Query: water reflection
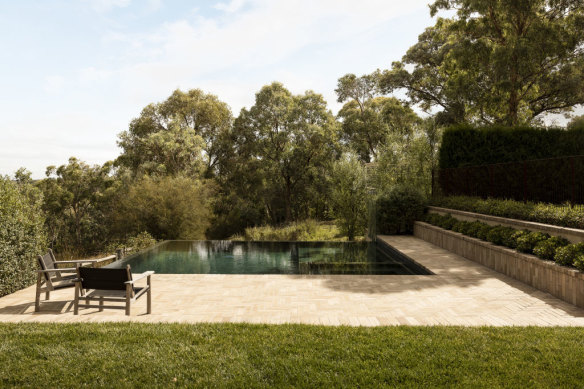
229	257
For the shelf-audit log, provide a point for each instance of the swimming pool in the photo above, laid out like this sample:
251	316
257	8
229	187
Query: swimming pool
234	257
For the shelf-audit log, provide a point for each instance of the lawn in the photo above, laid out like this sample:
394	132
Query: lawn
237	355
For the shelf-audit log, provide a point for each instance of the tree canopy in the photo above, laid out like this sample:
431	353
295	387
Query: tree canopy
181	135
496	62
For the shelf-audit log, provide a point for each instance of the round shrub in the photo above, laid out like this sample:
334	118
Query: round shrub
579	262
474	228
526	243
511	240
399	209
567	255
547	249
460	226
499	234
484	231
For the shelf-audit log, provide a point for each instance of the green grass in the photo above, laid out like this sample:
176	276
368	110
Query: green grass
308	230
242	355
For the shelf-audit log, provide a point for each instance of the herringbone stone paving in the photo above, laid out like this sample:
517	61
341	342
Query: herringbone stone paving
460	293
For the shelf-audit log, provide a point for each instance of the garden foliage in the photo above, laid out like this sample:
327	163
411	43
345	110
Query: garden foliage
559	215
22	234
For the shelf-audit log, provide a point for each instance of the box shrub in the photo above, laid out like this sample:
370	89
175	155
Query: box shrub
568	254
511	240
526	243
547	249
399	209
579	262
499	235
483	231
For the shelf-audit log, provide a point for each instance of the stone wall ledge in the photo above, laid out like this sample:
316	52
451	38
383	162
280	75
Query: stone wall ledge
574	235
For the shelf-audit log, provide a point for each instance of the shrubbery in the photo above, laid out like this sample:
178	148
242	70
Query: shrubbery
22	234
559	215
542	245
308	230
398	209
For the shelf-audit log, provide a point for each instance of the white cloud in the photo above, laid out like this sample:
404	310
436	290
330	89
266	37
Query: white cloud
232	6
108	5
54	84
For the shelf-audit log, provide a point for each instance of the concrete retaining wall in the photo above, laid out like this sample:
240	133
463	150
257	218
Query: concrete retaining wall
562	282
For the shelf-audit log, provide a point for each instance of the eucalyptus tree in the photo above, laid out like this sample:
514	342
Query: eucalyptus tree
368	119
182	135
76	204
507	62
289	140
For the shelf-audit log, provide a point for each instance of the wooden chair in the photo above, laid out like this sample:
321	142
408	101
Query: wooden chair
112	285
50	277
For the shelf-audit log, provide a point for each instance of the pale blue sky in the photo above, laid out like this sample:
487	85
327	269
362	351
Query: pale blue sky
74	73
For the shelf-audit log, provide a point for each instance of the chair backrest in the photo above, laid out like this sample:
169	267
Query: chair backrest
47	262
104	278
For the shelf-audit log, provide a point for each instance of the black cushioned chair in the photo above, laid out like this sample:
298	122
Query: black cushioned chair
50	277
112	285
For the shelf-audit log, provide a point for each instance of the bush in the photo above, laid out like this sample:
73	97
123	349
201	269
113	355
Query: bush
465	145
499	235
547	249
526	243
308	230
474	228
511	240
399	209
483	231
22	234
567	255
559	215
136	243
460	226
579	262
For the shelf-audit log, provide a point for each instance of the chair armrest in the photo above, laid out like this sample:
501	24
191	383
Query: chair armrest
139	276
56	270
98	260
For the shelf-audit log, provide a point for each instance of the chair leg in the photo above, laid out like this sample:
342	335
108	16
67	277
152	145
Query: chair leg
149	297
101	304
128	298
47	295
37	300
76	306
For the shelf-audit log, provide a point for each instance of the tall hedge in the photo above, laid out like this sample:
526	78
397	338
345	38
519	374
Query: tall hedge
469	146
22	234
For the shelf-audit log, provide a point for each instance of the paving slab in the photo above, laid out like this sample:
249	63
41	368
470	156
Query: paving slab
460	292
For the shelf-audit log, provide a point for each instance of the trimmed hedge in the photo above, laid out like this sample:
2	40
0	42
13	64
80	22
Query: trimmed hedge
466	145
22	234
558	215
542	245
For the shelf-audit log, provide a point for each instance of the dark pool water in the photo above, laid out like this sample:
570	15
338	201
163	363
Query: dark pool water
230	257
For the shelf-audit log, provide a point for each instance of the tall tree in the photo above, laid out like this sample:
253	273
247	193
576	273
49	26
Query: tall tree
182	135
507	62
76	205
367	118
290	138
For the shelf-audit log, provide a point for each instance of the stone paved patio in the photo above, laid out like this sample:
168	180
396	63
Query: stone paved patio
460	293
